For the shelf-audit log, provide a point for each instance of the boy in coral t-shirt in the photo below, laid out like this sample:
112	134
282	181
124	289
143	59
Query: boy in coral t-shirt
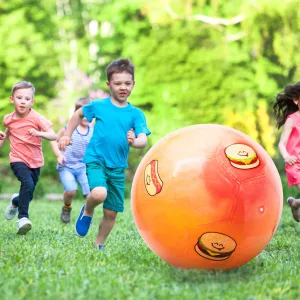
25	129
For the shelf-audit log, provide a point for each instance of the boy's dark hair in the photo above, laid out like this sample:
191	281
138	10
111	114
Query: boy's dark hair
284	104
119	66
81	102
23	85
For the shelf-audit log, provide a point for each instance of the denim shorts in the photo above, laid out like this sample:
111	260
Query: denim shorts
69	178
113	179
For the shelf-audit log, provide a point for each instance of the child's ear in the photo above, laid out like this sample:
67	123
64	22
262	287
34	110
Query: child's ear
11	99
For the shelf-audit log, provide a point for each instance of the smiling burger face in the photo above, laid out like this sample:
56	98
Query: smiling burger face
215	246
243	153
242	156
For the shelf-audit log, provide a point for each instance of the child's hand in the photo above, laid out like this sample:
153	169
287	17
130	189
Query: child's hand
64	142
2	135
61	159
130	137
291	160
34	132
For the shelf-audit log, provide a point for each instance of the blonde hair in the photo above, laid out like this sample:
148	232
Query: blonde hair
23	85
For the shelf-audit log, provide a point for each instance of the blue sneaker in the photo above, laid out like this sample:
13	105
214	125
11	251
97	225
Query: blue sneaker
101	247
82	224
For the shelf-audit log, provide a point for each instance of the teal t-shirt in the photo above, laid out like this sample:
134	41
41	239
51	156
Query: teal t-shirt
109	140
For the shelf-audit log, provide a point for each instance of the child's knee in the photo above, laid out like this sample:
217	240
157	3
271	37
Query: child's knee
70	193
110	214
28	185
99	194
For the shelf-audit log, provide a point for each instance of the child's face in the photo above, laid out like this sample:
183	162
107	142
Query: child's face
84	122
22	100
121	85
297	102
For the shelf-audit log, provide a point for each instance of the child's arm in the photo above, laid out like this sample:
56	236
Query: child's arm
55	149
60	134
3	137
136	142
287	129
49	135
74	122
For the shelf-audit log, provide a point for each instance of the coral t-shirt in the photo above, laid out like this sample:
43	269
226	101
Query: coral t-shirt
23	146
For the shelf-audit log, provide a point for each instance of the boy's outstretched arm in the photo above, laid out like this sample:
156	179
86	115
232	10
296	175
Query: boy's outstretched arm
49	135
136	142
65	140
60	134
54	146
3	137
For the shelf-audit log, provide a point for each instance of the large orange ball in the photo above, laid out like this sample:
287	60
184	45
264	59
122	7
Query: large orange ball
207	196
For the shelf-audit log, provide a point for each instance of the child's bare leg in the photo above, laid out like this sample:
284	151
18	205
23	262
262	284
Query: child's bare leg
65	215
106	225
94	198
68	197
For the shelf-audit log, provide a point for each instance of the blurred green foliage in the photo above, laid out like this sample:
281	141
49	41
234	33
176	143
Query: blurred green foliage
196	61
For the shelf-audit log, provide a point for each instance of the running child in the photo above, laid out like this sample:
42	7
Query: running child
119	126
70	167
287	111
25	129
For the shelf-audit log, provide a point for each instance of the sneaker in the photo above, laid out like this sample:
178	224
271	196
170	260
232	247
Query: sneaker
82	224
11	210
65	215
23	226
100	247
295	210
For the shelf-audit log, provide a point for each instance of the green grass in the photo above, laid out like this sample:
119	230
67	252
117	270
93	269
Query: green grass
51	262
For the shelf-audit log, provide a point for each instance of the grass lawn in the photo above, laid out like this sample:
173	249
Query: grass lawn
51	262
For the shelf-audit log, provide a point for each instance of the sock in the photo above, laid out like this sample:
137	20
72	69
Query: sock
68	206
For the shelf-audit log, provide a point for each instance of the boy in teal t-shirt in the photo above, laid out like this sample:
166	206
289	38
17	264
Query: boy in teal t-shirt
119	126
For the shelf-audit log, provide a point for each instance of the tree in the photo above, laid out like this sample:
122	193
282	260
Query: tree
28	33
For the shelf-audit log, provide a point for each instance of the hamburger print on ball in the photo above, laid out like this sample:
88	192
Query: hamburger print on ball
207	197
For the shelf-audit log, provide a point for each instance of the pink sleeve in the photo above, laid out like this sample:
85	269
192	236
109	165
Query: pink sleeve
44	123
6	120
291	116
